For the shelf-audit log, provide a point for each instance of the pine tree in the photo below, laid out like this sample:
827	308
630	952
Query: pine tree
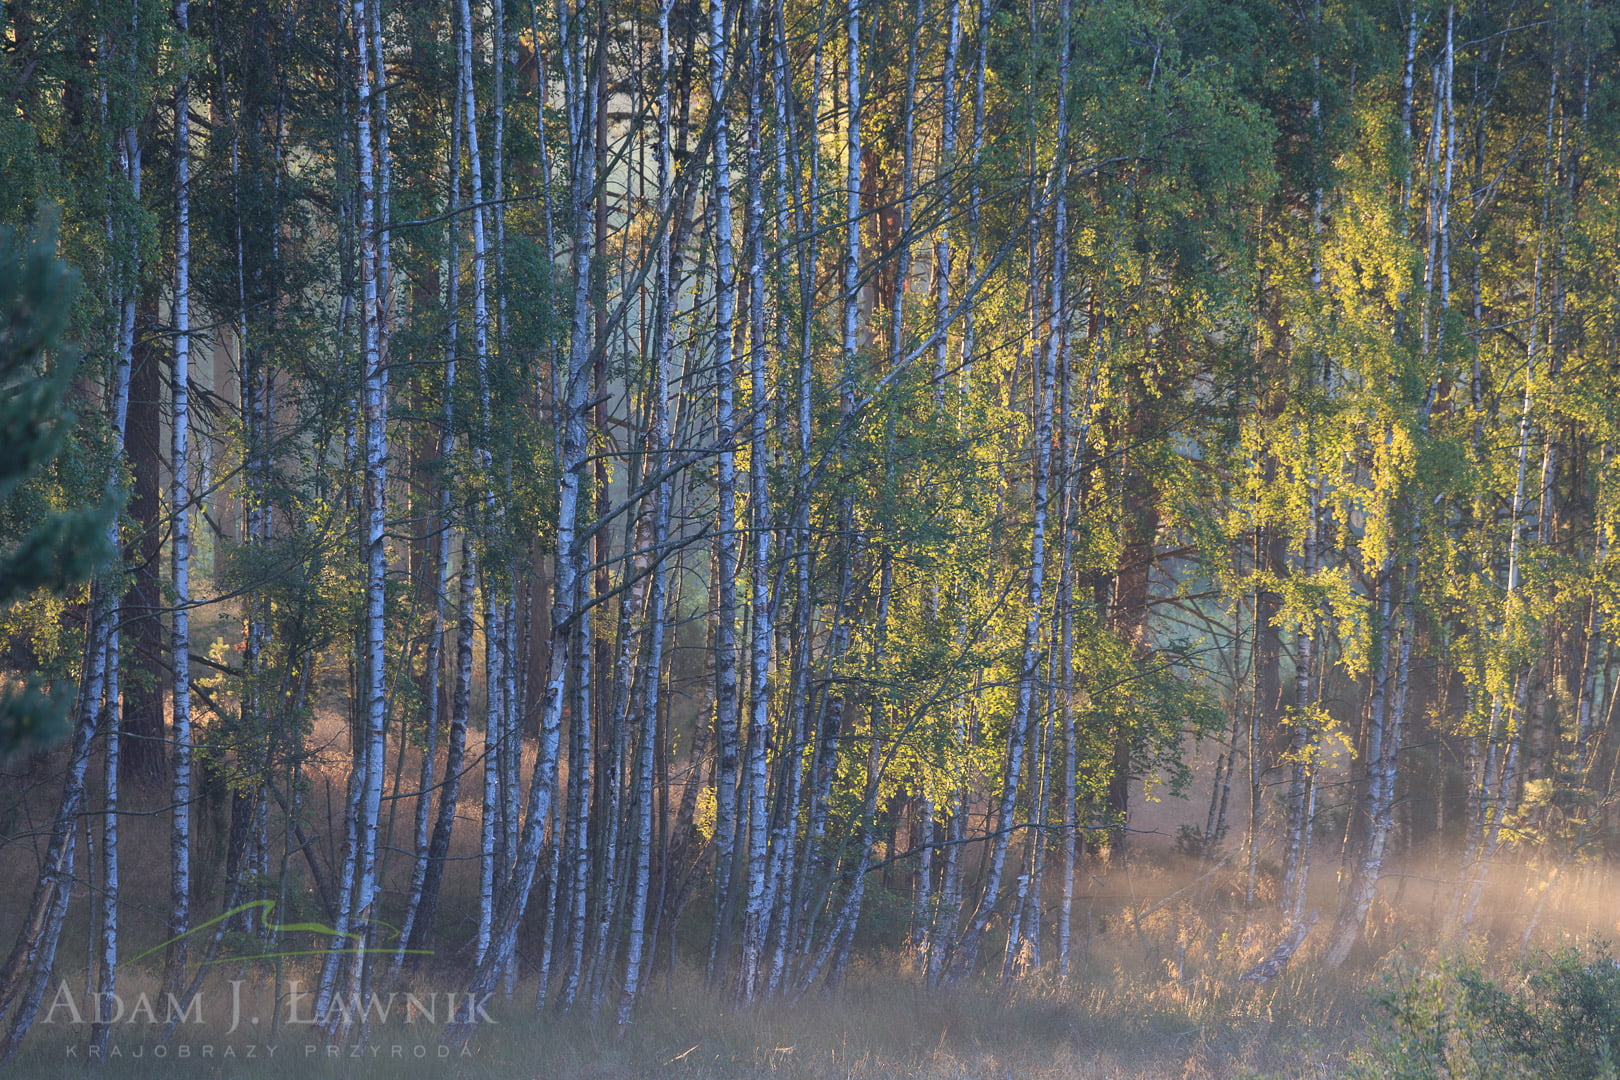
36	293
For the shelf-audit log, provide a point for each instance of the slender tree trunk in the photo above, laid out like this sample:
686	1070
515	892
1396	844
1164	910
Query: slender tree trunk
1029	662
106	981
180	830
757	913
1381	735
950	124
1505	726
430	856
658	452
800	710
574	385
728	737
455	752
358	908
27	968
491	803
144	753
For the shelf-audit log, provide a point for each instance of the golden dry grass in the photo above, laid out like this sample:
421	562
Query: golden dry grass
1154	993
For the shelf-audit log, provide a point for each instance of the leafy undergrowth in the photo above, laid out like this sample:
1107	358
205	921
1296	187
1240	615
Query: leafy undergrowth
1556	1017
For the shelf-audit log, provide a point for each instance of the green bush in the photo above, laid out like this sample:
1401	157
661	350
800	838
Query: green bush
1558	1019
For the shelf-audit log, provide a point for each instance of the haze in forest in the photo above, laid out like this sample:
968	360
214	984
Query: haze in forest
1051	538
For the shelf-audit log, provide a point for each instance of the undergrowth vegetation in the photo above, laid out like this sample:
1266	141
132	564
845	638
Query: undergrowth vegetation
1556	1016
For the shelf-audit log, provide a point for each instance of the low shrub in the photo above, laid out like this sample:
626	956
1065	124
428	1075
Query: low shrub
1557	1018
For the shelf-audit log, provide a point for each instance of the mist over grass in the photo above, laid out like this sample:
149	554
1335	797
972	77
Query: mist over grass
1156	991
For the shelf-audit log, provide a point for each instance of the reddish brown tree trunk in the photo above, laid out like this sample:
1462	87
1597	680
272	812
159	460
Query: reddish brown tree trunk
141	751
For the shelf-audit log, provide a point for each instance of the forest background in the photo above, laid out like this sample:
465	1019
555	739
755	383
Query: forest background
751	487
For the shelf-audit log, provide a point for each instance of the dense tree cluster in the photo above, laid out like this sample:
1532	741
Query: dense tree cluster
770	478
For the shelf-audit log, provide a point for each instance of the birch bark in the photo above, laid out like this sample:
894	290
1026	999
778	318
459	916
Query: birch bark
757	915
728	737
27	966
789	878
1029	662
657	449
574	385
180	829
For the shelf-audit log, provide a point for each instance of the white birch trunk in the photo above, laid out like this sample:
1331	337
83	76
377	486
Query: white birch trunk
757	914
1071	832
573	387
1297	847
828	739
580	774
789	885
35	978
658	453
908	188
1492	785
332	964
1030	660
975	186
1297	844
455	752
373	246
726	718
106	977
180	828
949	125
491	802
27	967
945	944
357	907
1389	703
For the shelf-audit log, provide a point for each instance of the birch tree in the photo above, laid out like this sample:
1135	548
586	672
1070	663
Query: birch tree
180	830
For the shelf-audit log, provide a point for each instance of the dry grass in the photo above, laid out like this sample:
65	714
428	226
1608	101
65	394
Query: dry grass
1154	994
872	1029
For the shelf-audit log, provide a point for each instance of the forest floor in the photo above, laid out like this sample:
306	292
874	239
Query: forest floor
1160	945
1155	993
873	1028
